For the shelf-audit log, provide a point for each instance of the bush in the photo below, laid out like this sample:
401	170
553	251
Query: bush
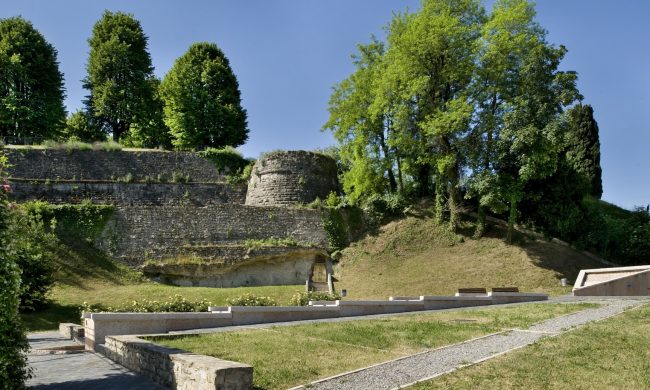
177	303
13	343
251	300
227	160
303	298
34	250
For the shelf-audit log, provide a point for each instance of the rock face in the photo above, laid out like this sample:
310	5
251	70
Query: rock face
290	178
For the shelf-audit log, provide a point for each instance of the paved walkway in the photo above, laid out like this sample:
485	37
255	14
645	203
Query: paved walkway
406	371
58	369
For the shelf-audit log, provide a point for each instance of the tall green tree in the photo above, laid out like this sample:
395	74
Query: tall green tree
520	95
584	147
364	133
31	85
429	66
202	100
119	73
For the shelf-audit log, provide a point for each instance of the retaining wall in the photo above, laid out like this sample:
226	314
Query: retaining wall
125	194
136	232
100	325
178	369
103	165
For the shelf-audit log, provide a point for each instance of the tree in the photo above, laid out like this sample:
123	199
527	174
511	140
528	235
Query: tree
363	133
82	127
31	85
584	147
150	131
520	96
429	66
119	73
202	100
13	343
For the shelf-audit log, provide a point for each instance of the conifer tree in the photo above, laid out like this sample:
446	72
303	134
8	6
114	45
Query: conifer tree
584	147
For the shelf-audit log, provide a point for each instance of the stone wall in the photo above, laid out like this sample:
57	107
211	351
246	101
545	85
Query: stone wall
136	232
290	178
54	164
128	193
178	369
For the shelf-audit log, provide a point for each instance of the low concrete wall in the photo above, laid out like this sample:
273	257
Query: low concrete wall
101	325
617	281
177	369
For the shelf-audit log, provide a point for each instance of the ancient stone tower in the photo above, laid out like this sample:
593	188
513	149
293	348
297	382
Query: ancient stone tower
291	178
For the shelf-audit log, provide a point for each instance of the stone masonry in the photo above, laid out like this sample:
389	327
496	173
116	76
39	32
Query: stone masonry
290	178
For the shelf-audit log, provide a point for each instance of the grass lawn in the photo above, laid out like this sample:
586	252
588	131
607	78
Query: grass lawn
413	256
288	356
610	354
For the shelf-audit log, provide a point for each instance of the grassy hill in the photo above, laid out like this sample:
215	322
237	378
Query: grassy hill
412	256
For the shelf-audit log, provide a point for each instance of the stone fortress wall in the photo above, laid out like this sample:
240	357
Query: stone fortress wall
204	217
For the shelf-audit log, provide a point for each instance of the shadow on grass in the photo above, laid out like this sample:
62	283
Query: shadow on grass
566	262
81	262
49	317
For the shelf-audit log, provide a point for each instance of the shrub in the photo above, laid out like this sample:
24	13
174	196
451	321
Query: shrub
303	298
13	343
176	303
251	300
227	159
34	250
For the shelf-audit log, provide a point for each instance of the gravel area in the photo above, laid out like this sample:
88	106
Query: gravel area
405	371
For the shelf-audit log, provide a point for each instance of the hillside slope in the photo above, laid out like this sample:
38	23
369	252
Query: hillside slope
412	256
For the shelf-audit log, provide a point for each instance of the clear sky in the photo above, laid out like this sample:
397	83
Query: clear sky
287	55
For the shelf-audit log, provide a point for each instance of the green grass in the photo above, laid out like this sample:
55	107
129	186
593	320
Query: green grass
611	354
413	256
85	274
287	356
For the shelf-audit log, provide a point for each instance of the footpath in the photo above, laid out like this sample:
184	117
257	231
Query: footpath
72	369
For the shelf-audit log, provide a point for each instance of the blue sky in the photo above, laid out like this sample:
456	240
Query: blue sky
288	54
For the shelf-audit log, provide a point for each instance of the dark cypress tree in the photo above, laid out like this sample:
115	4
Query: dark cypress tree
583	150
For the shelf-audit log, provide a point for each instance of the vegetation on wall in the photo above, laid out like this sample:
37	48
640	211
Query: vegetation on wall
71	222
229	160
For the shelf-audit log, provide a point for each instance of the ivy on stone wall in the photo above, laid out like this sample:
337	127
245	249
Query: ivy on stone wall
83	221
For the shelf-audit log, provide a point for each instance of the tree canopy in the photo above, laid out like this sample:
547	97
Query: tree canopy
119	74
202	102
469	101
31	85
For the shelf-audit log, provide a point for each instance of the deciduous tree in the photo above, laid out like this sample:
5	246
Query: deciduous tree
119	73
31	85
202	100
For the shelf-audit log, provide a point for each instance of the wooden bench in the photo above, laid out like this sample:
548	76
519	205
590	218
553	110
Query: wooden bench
505	289
472	290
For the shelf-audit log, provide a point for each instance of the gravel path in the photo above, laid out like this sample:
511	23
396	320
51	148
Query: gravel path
76	369
405	371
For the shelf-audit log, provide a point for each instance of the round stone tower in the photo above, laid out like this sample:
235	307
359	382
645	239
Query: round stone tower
290	178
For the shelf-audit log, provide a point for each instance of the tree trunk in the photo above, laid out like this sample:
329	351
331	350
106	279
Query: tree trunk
480	222
440	201
512	219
